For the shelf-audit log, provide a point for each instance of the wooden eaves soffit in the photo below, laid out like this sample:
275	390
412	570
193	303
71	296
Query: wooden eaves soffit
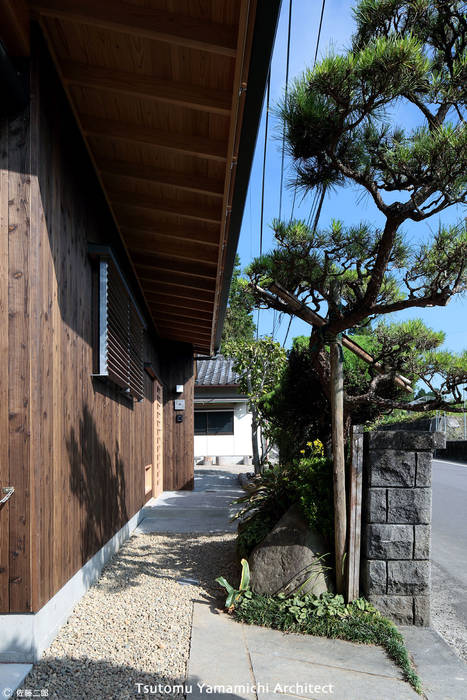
158	88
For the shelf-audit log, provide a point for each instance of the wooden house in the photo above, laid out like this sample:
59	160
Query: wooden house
127	131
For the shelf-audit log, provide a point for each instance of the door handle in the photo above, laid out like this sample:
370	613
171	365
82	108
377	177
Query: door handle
7	492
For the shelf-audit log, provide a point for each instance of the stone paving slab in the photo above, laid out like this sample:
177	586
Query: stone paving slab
444	675
303	678
218	656
319	650
249	658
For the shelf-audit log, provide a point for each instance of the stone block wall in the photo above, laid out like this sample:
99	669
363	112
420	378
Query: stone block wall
396	533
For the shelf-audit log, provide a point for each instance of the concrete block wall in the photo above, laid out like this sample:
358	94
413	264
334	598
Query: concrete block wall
396	534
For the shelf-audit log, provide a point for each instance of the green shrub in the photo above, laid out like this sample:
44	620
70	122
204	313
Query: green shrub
326	615
307	482
253	531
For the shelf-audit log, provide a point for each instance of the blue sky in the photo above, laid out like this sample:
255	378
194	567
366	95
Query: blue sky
346	203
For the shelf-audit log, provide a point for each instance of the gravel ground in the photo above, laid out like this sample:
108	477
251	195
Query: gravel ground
134	625
444	617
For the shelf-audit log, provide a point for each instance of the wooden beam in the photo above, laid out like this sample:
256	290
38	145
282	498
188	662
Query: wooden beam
168	316
172	278
173	207
202	346
14	27
166	246
199	97
137	20
175	291
148	173
183	327
184	333
179	235
188	335
189	144
146	261
169	302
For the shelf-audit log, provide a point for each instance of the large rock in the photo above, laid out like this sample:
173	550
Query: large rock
288	559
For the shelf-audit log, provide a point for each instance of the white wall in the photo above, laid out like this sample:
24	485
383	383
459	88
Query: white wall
238	444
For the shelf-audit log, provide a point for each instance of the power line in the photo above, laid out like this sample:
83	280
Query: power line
263	179
319	30
316	205
287	64
264	164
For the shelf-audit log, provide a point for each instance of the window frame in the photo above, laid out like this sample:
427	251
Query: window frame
207	412
118	355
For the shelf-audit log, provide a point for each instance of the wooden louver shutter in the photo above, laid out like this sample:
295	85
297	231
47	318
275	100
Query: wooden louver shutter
120	332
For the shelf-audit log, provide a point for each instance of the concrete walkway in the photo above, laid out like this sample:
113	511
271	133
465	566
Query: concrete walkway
208	508
256	663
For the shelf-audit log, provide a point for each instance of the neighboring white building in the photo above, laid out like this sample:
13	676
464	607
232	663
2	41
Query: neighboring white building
222	419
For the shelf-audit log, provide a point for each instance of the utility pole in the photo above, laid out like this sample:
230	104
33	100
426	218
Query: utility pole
338	457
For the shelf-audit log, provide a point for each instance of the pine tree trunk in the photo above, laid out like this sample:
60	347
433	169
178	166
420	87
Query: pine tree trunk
337	414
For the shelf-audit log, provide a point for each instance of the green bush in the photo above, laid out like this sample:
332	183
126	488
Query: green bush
307	482
328	616
253	531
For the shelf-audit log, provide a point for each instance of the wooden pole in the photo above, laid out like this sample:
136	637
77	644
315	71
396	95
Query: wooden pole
355	513
338	458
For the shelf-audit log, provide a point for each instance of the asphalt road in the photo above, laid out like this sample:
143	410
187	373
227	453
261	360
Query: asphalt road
449	533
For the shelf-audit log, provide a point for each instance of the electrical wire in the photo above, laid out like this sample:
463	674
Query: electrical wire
318	200
263	179
264	163
287	65
319	31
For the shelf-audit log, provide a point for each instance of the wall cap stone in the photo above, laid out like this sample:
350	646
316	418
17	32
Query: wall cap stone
405	440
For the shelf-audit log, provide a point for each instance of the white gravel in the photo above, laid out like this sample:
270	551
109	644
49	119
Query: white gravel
134	625
444	617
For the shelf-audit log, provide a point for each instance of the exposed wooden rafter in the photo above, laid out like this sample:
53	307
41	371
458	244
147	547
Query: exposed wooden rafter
200	286
160	25
166	205
174	291
167	302
148	173
185	319
148	87
188	144
178	236
192	252
179	268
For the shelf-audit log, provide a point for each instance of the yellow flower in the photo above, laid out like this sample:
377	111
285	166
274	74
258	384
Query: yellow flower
302	452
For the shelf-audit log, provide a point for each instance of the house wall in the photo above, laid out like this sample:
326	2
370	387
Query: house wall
237	445
72	446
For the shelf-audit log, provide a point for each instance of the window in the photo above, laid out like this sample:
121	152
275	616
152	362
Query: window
214	423
120	332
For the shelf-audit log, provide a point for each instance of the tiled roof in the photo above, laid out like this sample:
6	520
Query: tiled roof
215	372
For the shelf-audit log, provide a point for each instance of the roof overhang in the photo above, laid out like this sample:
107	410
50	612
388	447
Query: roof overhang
168	98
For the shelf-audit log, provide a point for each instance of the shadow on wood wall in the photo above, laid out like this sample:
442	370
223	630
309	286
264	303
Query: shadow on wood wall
97	480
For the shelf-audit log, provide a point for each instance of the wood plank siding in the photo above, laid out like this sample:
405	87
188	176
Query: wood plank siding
137	138
77	448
